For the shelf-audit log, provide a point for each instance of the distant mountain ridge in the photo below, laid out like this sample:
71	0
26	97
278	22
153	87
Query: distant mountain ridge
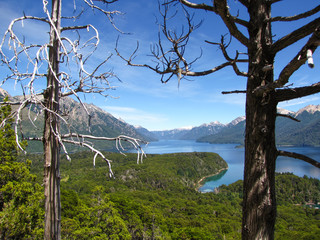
195	133
288	132
306	132
202	130
177	133
102	123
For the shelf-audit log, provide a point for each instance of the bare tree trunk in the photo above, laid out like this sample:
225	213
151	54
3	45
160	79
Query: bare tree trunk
259	203
51	128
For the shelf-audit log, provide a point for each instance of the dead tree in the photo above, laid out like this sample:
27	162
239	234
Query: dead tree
30	64
263	91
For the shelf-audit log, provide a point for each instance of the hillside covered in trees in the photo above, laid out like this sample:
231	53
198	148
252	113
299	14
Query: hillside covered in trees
158	200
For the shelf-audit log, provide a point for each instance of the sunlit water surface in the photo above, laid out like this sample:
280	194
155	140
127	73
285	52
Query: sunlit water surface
235	158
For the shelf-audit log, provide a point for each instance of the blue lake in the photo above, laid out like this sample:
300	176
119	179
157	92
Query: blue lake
235	159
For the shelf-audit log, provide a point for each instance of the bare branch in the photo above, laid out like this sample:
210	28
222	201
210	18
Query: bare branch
292	93
222	9
172	62
223	46
198	6
82	140
297	17
109	14
293	65
299	156
171	66
212	9
97	153
235	91
296	35
288	116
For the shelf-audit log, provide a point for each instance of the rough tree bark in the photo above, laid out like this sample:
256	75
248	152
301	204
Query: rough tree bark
52	130
259	206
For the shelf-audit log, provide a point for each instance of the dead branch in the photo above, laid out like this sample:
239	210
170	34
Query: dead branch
81	140
292	93
235	91
197	6
299	156
213	9
97	153
108	14
298	16
296	35
223	47
293	65
222	9
288	116
172	62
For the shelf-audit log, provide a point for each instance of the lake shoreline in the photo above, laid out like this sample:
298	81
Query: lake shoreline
234	156
199	183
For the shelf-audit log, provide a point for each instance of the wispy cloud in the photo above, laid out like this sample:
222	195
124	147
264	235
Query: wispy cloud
120	109
136	116
32	30
300	101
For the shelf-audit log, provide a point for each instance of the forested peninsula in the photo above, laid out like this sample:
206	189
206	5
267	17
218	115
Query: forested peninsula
157	200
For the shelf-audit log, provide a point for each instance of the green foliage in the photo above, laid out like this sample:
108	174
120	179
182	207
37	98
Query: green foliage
97	219
21	210
296	190
296	222
158	200
8	148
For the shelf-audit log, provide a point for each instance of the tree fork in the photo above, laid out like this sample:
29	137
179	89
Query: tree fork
51	129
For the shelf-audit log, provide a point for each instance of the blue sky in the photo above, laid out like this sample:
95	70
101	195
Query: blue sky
140	97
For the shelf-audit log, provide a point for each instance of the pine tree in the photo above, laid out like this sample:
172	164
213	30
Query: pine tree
21	200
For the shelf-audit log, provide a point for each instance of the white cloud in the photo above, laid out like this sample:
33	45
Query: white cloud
300	101
119	109
136	116
34	31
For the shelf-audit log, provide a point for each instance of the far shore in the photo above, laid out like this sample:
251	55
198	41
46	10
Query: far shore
199	183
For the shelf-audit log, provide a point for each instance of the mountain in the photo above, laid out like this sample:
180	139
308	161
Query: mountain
231	133
288	132
146	133
177	133
101	124
203	130
194	133
306	132
3	94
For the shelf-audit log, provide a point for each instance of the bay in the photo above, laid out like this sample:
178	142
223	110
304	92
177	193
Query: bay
234	156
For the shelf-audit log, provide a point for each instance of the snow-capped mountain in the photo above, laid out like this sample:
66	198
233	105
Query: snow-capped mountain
288	132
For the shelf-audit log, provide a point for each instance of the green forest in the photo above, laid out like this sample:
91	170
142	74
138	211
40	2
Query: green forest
156	199
153	200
